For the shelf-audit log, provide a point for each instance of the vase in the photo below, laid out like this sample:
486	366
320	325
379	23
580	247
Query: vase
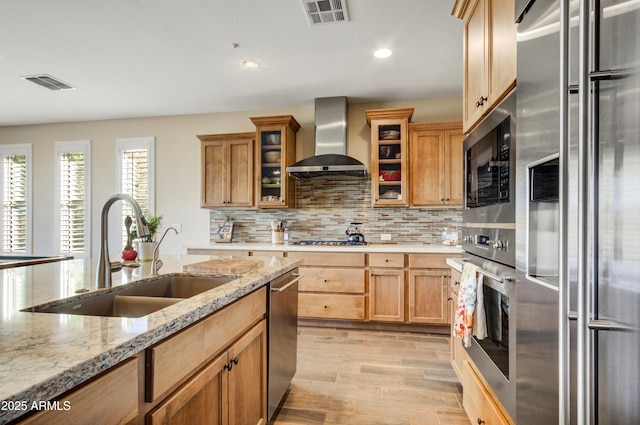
129	254
146	250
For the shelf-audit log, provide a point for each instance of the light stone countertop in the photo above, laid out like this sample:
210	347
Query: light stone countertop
43	355
407	248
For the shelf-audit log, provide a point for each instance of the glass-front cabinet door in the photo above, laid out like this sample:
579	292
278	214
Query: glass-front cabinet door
389	156
275	150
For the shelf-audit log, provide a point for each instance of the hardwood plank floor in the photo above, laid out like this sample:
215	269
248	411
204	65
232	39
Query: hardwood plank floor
347	376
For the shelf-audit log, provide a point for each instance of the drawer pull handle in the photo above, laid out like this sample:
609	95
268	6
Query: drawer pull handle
456	283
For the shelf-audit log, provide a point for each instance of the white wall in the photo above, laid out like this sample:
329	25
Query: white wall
177	161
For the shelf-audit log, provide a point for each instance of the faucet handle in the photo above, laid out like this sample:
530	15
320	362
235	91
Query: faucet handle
115	266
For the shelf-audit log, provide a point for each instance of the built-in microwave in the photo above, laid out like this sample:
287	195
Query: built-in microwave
489	167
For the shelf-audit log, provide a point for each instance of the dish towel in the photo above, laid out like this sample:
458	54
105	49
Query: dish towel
469	303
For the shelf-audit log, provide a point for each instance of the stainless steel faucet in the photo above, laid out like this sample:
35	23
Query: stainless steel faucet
156	263
103	273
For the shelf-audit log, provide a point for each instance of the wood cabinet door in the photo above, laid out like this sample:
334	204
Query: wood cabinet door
239	173
454	171
213	189
457	350
428	298
475	66
427	167
248	378
113	395
199	401
501	51
386	295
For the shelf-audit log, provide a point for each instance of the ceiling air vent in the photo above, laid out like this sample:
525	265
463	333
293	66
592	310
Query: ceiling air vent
325	11
48	81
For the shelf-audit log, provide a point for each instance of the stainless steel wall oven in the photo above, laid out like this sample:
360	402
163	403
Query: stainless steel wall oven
489	242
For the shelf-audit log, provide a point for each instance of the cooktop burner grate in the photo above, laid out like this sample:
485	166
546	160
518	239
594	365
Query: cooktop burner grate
329	243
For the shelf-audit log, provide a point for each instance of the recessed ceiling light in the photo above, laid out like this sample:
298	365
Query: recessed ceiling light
250	64
382	53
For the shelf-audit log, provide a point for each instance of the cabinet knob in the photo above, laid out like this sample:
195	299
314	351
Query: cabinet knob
386	260
480	421
449	298
456	283
324	306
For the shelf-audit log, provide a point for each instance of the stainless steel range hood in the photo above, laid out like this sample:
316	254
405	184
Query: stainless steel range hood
331	158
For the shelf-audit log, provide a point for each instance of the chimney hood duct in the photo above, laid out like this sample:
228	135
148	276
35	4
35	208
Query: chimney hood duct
331	158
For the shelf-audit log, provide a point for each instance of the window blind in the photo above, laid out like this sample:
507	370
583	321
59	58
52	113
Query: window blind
135	180
15	207
73	193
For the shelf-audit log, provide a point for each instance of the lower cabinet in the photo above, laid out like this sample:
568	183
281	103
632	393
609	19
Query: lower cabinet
477	401
333	286
113	395
457	350
428	298
231	389
386	287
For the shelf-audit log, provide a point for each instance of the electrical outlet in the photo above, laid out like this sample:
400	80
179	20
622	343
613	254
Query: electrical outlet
385	236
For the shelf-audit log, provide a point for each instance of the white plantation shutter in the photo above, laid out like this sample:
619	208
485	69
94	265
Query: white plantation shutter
16	198
137	175
73	197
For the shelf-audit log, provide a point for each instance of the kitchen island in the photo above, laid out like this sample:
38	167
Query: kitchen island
43	355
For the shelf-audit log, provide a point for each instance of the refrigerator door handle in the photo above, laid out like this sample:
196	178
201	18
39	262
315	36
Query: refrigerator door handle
612	74
608	325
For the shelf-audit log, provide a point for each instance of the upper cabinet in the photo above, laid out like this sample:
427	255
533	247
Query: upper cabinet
275	150
227	170
435	164
489	55
389	156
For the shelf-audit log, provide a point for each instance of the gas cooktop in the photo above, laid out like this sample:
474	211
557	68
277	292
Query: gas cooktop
329	243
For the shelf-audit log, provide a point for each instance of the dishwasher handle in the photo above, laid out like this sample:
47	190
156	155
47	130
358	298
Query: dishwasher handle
288	284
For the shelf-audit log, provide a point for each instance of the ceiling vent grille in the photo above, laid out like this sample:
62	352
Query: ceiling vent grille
48	81
325	11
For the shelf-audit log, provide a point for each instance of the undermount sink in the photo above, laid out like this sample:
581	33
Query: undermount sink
136	299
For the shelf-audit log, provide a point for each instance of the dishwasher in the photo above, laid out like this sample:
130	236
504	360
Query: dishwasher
283	337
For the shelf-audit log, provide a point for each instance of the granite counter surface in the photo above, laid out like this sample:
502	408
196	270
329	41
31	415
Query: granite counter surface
369	248
43	355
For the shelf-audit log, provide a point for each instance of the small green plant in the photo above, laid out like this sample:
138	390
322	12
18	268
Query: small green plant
153	223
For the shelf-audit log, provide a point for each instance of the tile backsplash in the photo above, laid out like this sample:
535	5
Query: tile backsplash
326	207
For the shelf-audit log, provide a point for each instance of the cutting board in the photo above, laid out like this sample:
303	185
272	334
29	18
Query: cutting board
229	266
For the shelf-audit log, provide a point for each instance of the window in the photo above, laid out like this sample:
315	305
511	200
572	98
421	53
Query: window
136	171
72	197
16	198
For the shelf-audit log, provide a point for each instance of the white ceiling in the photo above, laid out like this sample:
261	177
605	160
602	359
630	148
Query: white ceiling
138	58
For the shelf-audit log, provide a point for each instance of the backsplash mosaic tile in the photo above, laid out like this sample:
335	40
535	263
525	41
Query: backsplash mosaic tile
326	207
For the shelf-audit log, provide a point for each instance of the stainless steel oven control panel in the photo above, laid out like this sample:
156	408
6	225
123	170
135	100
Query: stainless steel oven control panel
497	244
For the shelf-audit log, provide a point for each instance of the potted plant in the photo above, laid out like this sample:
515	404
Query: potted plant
146	244
128	253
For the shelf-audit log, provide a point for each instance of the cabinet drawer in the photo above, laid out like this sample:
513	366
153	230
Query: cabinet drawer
318	279
348	307
386	260
175	358
113	395
429	261
330	259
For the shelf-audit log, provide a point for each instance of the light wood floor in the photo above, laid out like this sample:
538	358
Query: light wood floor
373	378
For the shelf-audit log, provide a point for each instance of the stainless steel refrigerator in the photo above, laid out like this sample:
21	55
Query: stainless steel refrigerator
578	212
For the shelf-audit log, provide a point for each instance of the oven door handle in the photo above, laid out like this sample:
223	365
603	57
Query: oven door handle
486	273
